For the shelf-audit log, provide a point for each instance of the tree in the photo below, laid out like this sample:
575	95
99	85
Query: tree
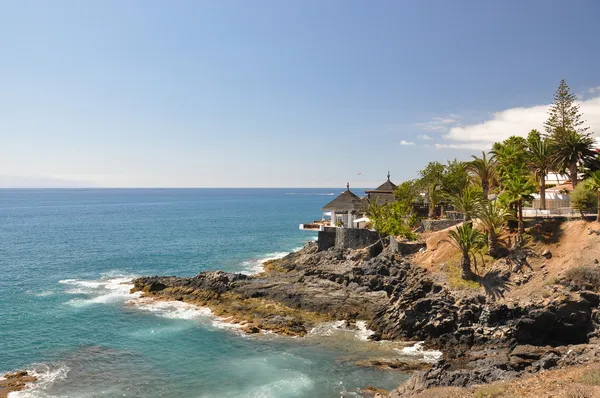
510	156
431	181
455	177
518	188
467	240
571	149
395	219
564	113
492	215
468	202
583	199
539	160
592	184
483	169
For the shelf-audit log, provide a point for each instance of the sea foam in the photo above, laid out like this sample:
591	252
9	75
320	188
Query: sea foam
102	291
46	376
418	351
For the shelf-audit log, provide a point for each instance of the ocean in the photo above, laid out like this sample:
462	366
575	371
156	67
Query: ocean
67	257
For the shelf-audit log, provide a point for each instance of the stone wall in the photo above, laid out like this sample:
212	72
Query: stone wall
326	238
354	238
405	248
438	225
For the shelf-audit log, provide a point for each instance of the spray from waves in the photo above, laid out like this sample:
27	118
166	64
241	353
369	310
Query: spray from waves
47	375
181	310
418	351
108	289
361	332
256	266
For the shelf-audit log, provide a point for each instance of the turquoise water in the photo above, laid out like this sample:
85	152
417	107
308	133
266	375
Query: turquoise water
66	257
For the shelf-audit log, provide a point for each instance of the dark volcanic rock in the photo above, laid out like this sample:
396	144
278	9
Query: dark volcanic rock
483	340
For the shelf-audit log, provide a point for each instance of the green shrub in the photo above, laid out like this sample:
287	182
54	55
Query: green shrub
491	391
591	377
583	199
585	276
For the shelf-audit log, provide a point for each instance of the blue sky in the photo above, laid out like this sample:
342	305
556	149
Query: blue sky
277	93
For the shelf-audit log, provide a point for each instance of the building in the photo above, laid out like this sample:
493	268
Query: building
383	194
345	208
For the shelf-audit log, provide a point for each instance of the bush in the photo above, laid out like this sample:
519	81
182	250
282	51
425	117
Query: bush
583	200
491	391
591	377
584	276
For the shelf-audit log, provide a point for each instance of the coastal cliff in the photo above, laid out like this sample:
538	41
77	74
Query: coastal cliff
485	337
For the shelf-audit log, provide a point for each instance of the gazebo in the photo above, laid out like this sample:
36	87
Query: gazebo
383	194
345	208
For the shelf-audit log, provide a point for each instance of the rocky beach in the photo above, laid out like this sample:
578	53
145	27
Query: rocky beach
484	336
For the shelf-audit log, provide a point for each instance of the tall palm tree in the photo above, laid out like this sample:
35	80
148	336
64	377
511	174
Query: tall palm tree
593	184
467	202
492	215
466	239
571	149
539	158
518	189
484	170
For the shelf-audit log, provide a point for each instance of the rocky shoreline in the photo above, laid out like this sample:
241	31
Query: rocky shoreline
17	381
483	339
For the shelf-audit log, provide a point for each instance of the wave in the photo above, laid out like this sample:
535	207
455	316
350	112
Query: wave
46	374
310	193
418	351
256	266
180	310
361	332
44	293
102	291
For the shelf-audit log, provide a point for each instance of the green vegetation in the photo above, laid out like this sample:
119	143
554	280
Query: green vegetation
513	171
493	215
591	377
395	219
483	172
491	391
586	276
592	184
467	240
583	199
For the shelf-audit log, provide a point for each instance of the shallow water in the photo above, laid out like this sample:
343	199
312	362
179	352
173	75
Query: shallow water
67	257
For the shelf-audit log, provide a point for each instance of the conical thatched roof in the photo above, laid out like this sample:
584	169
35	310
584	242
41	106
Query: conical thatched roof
347	201
386	186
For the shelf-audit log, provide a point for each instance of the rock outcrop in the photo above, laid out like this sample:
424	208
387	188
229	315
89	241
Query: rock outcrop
483	339
16	381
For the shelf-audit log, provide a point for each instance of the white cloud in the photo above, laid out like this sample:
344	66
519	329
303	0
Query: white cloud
424	137
403	142
513	121
594	90
438	123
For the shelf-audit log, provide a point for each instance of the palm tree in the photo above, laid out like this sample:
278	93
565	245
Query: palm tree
492	215
518	189
593	184
571	149
540	161
467	202
466	239
484	170
433	195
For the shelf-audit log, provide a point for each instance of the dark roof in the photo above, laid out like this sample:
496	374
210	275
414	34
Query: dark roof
381	198
387	186
347	201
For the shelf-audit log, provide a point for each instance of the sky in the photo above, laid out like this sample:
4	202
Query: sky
312	93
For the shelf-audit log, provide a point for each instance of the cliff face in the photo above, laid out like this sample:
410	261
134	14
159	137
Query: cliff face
294	293
483	339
